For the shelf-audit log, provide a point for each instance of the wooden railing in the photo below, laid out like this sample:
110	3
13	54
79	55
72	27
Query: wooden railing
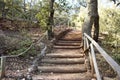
3	58
89	48
34	67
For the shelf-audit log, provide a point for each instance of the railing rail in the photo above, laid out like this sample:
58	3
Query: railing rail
3	58
87	39
34	66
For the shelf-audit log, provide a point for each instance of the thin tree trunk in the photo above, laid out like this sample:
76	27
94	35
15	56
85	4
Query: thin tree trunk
50	20
24	6
92	18
96	28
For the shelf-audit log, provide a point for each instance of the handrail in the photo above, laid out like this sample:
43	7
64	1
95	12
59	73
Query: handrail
95	62
3	58
34	66
109	60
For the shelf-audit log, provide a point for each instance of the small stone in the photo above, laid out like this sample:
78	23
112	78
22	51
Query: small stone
93	79
51	73
40	71
41	78
31	57
23	79
29	77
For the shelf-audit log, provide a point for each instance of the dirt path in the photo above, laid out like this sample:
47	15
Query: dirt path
65	62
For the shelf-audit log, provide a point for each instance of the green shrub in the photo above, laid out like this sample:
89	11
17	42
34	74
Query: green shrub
109	22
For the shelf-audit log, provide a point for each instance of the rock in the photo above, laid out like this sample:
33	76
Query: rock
29	77
32	69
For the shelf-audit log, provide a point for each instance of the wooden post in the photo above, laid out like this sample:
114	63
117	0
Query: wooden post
3	60
84	43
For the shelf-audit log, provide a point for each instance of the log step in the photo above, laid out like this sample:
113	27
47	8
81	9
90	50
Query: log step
62	69
56	55
51	76
68	44
64	61
68	51
69	41
66	47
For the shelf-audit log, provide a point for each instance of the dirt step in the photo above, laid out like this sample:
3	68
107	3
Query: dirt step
67	51
67	44
66	47
52	76
62	69
59	55
64	61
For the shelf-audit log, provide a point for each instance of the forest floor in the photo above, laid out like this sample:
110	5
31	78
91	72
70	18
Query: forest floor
20	64
17	39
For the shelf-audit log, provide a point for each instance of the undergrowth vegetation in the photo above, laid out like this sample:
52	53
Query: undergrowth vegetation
109	26
18	42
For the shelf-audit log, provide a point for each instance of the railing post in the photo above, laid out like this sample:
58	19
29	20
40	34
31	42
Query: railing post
84	43
3	60
90	57
86	49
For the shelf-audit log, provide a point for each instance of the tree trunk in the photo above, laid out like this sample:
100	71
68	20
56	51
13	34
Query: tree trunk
50	20
96	28
2	3
92	18
24	6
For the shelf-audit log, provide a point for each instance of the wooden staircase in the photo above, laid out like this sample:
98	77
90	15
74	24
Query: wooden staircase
65	62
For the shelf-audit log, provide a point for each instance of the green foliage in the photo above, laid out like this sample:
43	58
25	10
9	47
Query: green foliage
109	23
2	5
42	16
117	57
23	45
109	20
62	6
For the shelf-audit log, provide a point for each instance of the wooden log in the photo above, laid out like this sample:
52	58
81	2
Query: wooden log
64	55
66	47
64	61
68	44
69	41
63	76
62	69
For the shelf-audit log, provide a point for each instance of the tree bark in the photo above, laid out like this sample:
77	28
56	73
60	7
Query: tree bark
96	28
25	6
92	18
2	3
50	20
